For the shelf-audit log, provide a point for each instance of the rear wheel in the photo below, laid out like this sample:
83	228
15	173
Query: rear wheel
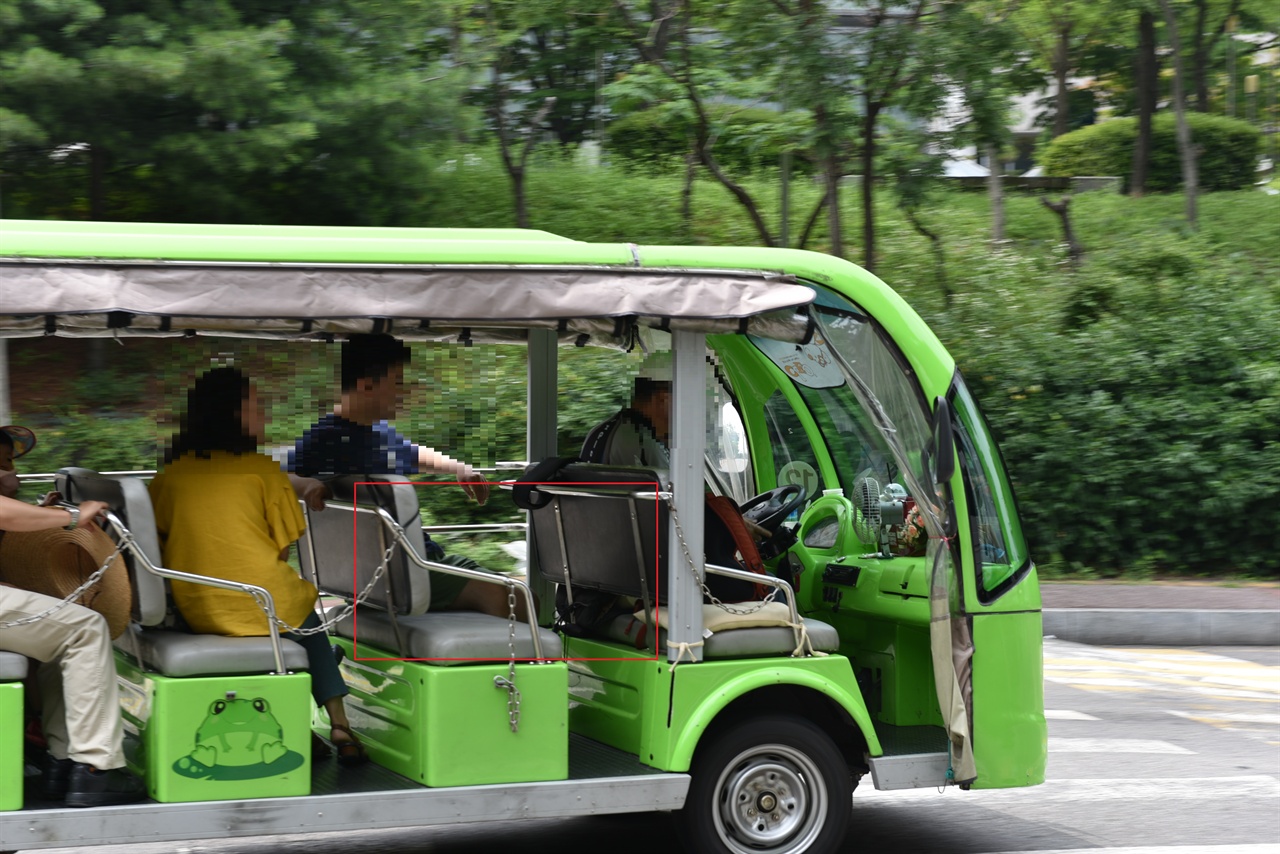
771	785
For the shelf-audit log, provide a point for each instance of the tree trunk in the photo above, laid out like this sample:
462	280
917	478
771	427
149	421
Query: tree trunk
517	192
1187	152
1200	56
939	257
995	191
831	173
1147	75
868	187
97	182
1062	65
686	193
812	221
1074	250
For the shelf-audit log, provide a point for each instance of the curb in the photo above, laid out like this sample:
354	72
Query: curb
1163	627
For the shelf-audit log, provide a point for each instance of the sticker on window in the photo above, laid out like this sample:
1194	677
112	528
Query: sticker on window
809	364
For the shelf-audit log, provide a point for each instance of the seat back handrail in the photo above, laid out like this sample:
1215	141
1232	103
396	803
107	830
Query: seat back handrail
261	595
767	580
397	532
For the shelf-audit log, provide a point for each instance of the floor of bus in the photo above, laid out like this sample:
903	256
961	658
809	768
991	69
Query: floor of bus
588	759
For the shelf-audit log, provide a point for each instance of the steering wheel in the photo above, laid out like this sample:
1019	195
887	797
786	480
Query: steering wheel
770	509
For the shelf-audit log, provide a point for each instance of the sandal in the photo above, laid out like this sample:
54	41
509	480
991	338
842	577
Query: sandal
350	752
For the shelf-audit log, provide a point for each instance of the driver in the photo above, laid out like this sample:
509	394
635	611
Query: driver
637	435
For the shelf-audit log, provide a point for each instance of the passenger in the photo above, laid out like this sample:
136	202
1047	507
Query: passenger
225	511
638	434
76	676
356	439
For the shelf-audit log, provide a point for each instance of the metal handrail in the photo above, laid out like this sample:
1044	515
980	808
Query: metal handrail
756	578
643	494
260	594
398	534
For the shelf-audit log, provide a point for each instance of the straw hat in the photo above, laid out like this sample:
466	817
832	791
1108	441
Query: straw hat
22	437
56	561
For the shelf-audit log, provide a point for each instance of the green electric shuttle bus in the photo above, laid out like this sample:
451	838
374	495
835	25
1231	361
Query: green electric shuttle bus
895	631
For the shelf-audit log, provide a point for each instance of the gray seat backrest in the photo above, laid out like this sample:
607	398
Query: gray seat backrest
341	557
605	547
128	499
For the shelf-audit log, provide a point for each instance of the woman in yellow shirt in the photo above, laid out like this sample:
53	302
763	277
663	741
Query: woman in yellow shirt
226	511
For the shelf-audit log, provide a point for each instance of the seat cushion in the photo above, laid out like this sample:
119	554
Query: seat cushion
12	667
172	653
449	637
735	642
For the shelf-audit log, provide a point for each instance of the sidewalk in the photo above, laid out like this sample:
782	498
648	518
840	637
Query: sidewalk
1162	614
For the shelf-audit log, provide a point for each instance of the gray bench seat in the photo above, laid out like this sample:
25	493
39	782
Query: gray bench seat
445	635
174	653
733	643
13	667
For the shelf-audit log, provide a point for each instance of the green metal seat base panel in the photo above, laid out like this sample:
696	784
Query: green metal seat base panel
11	722
210	738
451	726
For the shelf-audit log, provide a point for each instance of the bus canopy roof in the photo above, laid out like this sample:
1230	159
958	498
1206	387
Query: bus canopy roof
85	279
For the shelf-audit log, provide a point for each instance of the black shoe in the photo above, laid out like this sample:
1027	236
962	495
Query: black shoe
57	773
89	787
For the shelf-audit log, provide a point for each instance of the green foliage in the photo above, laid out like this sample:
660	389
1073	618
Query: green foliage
1228	151
746	138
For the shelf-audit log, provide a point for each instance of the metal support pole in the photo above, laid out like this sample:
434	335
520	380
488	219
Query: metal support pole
541	441
688	438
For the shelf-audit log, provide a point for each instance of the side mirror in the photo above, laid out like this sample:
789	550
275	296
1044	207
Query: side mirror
944	443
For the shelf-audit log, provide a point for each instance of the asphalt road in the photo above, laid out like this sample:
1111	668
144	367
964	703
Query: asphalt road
1156	751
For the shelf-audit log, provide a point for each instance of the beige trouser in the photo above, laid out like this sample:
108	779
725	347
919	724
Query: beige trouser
77	677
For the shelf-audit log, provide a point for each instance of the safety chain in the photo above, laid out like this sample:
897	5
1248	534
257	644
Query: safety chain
349	608
70	597
509	681
732	608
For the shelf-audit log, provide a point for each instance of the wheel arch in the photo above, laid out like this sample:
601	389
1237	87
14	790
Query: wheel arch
836	711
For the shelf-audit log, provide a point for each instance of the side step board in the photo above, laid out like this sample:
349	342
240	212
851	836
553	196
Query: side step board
910	770
416	807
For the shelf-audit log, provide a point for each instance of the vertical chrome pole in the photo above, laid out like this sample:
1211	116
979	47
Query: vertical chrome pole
688	438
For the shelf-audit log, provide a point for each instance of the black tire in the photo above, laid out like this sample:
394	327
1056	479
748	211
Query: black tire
780	761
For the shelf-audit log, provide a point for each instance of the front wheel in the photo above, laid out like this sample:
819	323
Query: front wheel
770	785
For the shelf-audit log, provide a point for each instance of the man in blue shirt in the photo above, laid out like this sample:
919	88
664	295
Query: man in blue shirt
356	439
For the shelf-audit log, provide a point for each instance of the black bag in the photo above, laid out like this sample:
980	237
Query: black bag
590	613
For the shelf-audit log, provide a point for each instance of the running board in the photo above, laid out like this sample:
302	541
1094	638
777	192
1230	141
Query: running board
416	807
910	770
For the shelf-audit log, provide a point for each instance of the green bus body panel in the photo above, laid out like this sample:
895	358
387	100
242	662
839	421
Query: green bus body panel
703	690
1010	736
11	720
449	726
631	704
186	752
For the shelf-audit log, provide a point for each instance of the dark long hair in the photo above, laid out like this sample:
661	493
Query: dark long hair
211	421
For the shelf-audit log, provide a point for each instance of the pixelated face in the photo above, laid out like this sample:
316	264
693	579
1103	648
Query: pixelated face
385	393
253	415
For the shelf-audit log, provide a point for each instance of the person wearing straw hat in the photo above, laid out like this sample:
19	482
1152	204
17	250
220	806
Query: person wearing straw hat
76	677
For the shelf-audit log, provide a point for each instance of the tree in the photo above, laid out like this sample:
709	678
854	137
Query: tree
1056	31
229	111
1186	150
1147	79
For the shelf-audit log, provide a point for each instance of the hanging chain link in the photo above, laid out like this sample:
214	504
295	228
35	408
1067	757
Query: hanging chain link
509	681
730	607
70	597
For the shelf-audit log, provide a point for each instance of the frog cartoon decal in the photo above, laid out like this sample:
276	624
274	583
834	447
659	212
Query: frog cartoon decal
239	740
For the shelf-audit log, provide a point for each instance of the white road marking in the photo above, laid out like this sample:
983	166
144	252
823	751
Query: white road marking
1233	717
1096	789
1256	848
1066	715
1112	745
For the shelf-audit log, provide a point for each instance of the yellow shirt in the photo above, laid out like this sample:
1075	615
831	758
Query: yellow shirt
229	516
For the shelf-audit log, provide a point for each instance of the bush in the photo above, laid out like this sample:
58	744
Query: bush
746	138
1228	151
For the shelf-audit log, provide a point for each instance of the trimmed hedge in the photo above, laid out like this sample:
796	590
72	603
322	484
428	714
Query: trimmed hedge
1228	157
746	138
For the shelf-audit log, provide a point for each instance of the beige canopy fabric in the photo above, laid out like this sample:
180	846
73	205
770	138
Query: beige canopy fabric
40	297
